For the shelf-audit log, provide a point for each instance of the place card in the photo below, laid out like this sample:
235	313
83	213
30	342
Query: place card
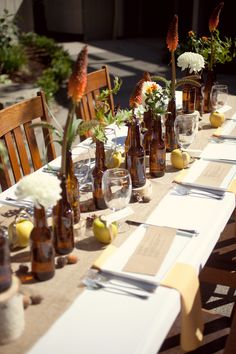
151	251
226	135
213	175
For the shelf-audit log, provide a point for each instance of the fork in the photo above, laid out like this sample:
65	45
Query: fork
184	190
96	284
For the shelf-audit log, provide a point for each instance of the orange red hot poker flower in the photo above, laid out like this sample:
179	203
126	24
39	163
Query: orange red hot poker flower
215	17
172	38
78	79
136	97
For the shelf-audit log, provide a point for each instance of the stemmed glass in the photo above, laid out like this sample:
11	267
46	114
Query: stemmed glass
218	96
186	127
117	189
82	165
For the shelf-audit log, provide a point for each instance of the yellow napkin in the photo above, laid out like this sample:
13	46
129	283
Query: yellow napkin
184	278
109	250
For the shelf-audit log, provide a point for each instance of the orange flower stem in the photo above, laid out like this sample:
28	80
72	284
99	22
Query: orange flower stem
173	72
69	121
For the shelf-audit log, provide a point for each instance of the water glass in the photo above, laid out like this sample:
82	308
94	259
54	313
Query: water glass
186	127
219	96
117	188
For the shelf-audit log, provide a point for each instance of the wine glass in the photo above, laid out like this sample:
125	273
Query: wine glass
186	127
218	96
117	189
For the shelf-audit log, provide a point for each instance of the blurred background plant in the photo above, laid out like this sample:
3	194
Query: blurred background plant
29	57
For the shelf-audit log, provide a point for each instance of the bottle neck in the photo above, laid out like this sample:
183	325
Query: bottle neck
135	135
40	219
100	155
157	128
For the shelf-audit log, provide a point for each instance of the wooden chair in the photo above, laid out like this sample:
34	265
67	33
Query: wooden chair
96	81
22	141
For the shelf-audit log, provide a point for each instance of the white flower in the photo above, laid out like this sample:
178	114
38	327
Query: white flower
41	188
192	61
153	97
139	111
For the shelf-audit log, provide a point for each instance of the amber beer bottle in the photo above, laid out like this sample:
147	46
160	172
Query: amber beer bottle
97	174
42	249
188	99
136	157
157	150
73	188
5	264
170	137
63	222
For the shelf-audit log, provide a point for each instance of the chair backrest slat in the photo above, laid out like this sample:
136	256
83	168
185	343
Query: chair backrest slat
23	147
24	160
14	161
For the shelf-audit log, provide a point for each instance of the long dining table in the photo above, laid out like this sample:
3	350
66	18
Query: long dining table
74	319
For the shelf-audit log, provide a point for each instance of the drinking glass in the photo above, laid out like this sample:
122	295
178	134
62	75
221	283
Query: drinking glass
186	127
117	189
82	165
219	96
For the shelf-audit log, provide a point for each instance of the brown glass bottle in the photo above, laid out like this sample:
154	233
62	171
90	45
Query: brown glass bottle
170	137
97	174
188	99
157	150
42	249
63	222
136	158
73	188
5	263
147	136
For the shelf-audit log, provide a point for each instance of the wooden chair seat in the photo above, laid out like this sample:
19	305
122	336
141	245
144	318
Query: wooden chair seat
27	150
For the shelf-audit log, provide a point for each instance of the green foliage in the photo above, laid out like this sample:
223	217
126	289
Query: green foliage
220	50
12	55
59	62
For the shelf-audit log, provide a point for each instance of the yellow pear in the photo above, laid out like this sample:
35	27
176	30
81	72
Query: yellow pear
102	232
114	159
179	159
216	119
19	233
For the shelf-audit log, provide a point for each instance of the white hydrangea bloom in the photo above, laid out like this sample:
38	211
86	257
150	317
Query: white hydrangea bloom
41	188
192	61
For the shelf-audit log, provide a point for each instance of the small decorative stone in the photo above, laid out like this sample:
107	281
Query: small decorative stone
72	259
36	299
61	261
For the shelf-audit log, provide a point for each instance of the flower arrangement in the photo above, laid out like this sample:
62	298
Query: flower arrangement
214	49
41	188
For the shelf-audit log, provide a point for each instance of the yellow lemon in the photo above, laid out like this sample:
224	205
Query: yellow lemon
101	231
216	119
23	230
179	159
114	159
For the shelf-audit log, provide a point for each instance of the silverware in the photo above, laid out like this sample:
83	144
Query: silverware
187	232
96	284
120	280
184	190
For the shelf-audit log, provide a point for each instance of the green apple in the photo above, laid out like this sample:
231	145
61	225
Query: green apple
179	159
103	232
216	119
